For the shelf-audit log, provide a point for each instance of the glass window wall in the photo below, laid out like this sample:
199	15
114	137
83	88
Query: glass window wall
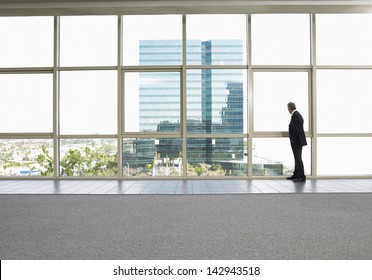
272	92
88	157
344	39
281	39
216	39
26	41
152	40
88	40
217	157
155	157
26	103
274	157
344	101
112	97
216	101
152	102
344	156
88	102
26	157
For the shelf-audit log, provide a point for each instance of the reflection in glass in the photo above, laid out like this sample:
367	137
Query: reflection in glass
274	157
344	39
216	39
152	40
336	91
88	102
281	39
272	92
344	156
26	41
88	40
152	157
217	157
152	102
26	157
88	157
216	101
27	103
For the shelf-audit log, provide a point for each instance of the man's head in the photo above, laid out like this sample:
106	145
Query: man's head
291	107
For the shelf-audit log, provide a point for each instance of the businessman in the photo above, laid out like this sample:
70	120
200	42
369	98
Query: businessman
298	140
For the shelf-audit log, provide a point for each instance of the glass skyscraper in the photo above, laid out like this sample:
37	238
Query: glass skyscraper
214	98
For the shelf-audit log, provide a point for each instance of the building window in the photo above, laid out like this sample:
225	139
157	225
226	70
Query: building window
273	157
88	157
88	102
152	40
27	103
344	156
26	41
88	40
216	101
217	157
344	39
216	39
344	101
155	157
281	39
26	157
272	92
152	102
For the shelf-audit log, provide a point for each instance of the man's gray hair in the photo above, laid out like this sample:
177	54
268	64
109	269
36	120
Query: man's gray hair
291	106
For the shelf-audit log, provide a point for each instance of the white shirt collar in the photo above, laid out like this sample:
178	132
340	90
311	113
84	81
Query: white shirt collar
293	112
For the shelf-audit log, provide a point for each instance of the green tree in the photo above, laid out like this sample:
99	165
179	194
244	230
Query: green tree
72	163
10	164
100	161
89	162
45	160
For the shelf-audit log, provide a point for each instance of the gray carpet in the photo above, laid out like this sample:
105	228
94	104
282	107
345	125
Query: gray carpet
270	226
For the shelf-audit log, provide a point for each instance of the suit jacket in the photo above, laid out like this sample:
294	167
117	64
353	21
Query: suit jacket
296	129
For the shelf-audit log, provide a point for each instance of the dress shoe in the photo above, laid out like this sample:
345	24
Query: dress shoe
291	178
300	179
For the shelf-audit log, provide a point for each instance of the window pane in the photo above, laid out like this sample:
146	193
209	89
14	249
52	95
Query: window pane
272	92
217	157
88	40
216	101
88	102
152	157
344	156
26	41
336	91
281	39
152	40
216	39
27	103
344	39
274	157
26	157
88	157
152	102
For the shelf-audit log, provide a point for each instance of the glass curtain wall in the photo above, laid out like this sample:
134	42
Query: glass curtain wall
172	96
216	95
87	96
26	96
344	99
281	73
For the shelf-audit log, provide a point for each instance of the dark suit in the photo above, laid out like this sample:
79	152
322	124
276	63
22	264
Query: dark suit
298	140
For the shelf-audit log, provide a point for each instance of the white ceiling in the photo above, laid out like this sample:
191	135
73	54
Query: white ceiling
77	7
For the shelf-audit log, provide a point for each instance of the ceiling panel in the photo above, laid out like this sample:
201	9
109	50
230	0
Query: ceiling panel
81	7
